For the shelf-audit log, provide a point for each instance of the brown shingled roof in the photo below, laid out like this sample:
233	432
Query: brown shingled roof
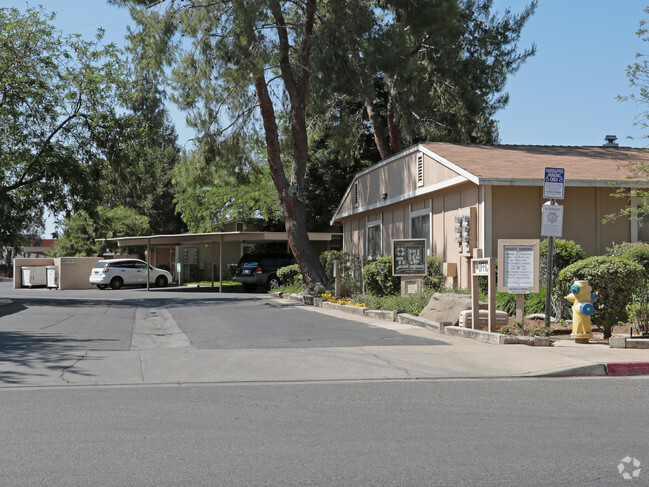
529	161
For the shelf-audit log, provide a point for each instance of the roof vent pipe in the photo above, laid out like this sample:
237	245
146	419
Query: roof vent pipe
610	141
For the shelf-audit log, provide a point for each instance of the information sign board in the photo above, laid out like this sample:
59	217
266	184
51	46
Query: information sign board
409	257
518	263
519	266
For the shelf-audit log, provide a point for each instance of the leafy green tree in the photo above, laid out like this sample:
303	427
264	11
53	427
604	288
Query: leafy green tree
254	70
638	75
81	230
245	73
58	112
207	196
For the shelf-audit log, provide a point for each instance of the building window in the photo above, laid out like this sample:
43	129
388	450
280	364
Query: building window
420	228
374	236
420	224
420	170
374	241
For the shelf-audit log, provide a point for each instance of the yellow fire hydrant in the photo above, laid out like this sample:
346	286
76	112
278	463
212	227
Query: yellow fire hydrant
582	298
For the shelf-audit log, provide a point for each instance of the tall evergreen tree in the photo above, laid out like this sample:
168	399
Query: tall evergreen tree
270	69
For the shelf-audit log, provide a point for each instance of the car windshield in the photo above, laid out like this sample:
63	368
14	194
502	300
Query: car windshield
100	265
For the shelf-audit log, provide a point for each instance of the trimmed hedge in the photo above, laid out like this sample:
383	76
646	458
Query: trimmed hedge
613	280
290	275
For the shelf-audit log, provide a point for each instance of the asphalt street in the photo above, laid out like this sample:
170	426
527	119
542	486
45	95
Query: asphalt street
173	387
509	432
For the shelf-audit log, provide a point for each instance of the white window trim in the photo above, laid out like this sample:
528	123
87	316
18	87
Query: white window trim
377	222
424	211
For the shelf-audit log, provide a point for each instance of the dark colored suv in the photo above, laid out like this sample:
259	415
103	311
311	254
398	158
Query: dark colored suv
260	269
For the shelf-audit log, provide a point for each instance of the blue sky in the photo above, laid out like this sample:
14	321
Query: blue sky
564	95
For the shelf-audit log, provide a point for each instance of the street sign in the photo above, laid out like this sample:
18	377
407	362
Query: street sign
554	183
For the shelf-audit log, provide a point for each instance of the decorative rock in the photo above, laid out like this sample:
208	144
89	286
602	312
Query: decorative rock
446	307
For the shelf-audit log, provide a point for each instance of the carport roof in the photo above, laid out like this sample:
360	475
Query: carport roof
211	238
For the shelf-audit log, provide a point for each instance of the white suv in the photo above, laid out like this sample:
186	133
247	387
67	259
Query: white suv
120	272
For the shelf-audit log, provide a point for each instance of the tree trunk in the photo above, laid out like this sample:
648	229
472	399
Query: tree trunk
291	193
377	129
393	128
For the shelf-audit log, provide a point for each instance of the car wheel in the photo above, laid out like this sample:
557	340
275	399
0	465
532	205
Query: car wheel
101	286
272	283
160	281
116	282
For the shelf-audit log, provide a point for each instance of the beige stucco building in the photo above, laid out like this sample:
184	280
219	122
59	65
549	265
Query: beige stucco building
486	193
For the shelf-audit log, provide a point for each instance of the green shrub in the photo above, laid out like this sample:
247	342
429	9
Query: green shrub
613	280
636	252
290	275
327	260
349	268
565	252
232	270
412	304
534	303
434	280
378	278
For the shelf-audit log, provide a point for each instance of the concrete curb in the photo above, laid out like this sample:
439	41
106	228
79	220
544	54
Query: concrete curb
627	368
442	328
623	342
594	370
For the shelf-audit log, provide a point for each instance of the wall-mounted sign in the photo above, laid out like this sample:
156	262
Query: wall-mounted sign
409	257
68	261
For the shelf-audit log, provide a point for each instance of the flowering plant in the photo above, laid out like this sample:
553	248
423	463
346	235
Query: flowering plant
333	299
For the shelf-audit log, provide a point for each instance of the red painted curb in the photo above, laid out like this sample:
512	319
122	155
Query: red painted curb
628	368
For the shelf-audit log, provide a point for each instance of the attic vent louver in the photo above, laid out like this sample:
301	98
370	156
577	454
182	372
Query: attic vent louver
420	170
355	195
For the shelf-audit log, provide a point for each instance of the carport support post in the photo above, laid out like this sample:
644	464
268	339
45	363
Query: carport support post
221	265
148	265
212	263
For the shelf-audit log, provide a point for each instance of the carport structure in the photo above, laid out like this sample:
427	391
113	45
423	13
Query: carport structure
213	239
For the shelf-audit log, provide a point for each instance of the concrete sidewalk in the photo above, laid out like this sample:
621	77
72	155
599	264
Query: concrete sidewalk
456	357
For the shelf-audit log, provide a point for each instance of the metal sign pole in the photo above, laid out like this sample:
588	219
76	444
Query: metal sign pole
548	288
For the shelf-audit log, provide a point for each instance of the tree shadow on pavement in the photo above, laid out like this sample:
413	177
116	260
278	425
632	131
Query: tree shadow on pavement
25	357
